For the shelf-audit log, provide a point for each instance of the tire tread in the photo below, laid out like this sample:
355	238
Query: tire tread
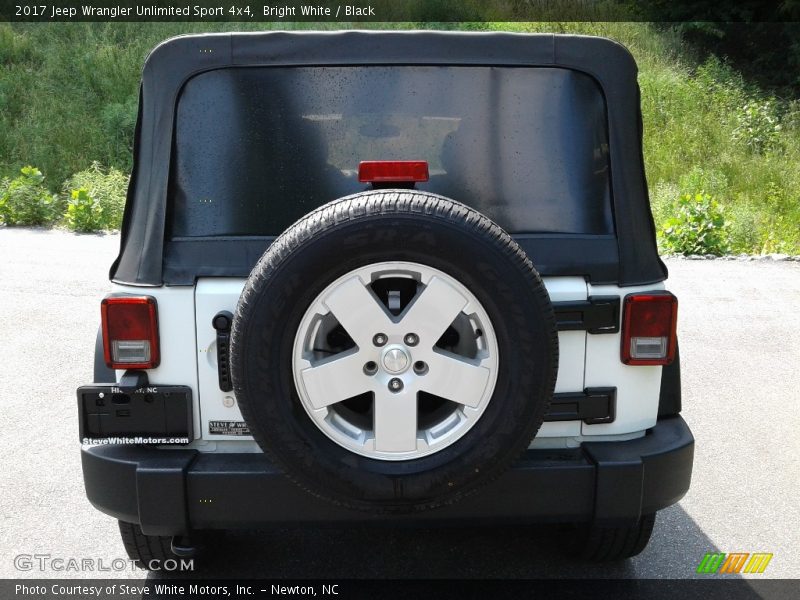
144	548
605	544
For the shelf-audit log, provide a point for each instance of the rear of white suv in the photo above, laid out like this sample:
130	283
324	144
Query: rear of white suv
375	284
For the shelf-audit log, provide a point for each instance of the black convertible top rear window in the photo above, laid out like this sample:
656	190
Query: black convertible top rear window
257	148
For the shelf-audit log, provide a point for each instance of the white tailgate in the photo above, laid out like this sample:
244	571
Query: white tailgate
213	295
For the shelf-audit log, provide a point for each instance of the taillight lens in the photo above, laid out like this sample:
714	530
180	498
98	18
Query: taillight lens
392	171
130	332
649	324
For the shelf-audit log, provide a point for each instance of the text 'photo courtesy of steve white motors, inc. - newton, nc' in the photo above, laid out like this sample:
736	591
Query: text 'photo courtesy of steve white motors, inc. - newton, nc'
192	10
161	590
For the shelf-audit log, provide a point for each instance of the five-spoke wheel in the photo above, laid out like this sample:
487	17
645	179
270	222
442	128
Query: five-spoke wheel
395	360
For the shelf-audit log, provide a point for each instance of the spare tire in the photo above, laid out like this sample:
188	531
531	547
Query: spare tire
394	351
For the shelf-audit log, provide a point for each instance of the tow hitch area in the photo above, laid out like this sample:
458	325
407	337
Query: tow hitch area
160	414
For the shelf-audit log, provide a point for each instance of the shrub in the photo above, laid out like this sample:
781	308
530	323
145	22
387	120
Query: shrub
697	227
25	200
84	213
95	198
758	126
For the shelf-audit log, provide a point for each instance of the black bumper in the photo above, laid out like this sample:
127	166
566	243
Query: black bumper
170	492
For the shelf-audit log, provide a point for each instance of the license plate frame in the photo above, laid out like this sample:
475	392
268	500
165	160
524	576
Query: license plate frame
158	414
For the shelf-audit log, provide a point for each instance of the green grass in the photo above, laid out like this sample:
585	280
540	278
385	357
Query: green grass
68	96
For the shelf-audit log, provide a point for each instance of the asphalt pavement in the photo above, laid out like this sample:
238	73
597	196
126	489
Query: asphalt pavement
739	328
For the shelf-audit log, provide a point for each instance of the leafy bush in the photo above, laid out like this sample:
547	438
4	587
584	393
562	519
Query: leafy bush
697	227
758	126
84	213
25	200
96	198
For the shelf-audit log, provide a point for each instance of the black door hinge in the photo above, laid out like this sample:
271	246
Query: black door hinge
598	314
592	406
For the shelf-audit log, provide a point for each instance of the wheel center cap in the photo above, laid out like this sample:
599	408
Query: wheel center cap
396	359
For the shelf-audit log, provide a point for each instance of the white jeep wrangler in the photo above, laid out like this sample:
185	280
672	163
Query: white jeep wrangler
386	276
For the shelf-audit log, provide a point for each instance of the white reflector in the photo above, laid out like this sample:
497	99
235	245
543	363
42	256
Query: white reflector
648	347
130	351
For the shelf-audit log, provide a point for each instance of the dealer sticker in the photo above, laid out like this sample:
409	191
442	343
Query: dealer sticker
228	428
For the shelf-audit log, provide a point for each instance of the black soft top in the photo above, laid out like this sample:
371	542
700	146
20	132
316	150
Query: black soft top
147	258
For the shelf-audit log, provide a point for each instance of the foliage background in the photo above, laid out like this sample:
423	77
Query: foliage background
720	108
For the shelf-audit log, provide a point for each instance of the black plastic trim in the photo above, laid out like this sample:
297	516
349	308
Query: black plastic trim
102	372
669	400
133	380
161	492
644	475
598	314
610	482
593	406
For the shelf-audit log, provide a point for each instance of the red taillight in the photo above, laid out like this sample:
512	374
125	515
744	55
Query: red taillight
649	328
130	332
392	171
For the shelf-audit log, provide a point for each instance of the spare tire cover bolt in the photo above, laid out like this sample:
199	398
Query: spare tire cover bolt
395	384
411	339
380	339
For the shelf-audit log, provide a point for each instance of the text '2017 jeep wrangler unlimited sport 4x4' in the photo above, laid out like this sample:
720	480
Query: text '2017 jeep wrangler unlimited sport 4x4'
386	276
